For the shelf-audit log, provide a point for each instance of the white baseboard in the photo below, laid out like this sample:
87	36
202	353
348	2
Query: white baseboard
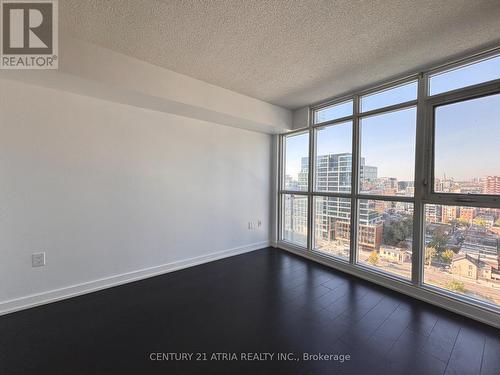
38	299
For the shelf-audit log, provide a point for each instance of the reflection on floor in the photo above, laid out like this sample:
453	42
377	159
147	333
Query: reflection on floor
266	301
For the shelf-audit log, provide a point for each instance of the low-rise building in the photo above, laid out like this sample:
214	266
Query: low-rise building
475	268
369	235
394	254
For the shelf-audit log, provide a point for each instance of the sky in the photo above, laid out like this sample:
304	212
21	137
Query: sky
467	134
483	71
467	138
387	142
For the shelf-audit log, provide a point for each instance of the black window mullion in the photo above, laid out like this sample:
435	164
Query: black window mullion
421	166
355	181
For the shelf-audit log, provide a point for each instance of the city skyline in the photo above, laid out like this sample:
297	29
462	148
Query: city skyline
460	248
462	152
489	184
461	243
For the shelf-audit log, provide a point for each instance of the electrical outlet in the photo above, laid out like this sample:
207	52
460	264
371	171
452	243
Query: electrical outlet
38	259
254	224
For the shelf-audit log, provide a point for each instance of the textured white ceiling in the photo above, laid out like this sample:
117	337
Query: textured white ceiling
286	52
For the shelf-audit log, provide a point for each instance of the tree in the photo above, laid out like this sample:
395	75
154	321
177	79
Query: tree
373	258
397	231
430	254
447	256
456	286
439	241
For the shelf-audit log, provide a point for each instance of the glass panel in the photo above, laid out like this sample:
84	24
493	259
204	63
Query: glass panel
462	250
385	232
334	158
387	160
392	96
472	74
333	112
467	146
332	225
295	219
296	149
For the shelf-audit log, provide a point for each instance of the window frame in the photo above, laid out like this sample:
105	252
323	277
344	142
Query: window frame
282	217
431	105
386	110
463	62
315	130
388	87
283	159
281	183
336	258
424	193
337	101
431	102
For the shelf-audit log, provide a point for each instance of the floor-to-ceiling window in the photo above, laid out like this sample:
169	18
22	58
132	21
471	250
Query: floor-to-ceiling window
462	223
294	216
403	181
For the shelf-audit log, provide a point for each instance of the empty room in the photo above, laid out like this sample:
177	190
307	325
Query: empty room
250	187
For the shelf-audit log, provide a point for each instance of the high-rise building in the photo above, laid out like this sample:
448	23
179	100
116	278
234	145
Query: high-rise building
433	213
449	213
491	185
291	183
333	174
295	219
468	213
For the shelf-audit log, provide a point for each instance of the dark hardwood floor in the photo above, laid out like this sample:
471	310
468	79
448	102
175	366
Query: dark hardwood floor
263	301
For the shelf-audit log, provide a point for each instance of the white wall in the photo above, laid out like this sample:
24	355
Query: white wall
300	118
107	189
